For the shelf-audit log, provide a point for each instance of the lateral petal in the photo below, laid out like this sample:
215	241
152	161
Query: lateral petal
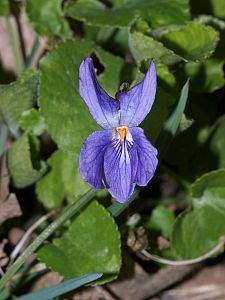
103	108
147	157
137	102
91	157
119	168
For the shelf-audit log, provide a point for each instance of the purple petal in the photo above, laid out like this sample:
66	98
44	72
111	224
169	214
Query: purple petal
91	157
103	108
136	103
120	161
147	157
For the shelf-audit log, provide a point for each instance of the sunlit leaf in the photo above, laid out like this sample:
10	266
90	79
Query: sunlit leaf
158	12
193	42
145	47
91	244
32	122
47	17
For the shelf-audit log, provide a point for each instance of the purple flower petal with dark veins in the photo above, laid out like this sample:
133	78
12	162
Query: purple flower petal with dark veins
119	161
121	156
91	157
147	157
136	103
103	108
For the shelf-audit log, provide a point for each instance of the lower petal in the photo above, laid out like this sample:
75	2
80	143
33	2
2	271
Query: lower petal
147	157
119	165
91	157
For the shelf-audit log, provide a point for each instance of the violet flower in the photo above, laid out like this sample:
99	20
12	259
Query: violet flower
119	156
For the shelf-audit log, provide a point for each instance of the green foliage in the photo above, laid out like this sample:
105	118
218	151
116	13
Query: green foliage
145	47
17	97
209	7
191	135
66	115
160	12
198	229
61	288
193	42
206	77
32	122
24	163
161	221
170	126
216	143
91	244
47	17
4	8
63	179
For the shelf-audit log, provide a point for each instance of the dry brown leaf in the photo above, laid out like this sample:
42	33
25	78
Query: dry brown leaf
9	206
3	256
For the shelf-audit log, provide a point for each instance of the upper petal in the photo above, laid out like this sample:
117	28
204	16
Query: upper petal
91	157
103	108
120	161
147	157
136	103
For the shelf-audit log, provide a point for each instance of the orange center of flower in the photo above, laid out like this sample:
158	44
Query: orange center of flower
122	132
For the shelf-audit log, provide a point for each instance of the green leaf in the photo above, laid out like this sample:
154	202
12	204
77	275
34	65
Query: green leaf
170	127
91	244
25	166
216	143
61	288
206	77
198	230
62	180
4	8
158	12
218	8
193	42
209	7
161	109
3	138
145	47
161	220
66	116
47	17
17	97
32	122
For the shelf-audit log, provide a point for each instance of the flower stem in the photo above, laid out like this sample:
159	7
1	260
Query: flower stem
32	55
185	262
17	53
66	214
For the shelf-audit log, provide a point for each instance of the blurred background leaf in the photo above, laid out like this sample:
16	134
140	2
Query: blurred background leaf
47	18
24	163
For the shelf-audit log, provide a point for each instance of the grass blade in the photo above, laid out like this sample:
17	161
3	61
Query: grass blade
61	288
170	127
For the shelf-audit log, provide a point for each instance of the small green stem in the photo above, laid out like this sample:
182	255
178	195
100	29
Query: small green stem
117	208
17	53
3	138
66	214
32	55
